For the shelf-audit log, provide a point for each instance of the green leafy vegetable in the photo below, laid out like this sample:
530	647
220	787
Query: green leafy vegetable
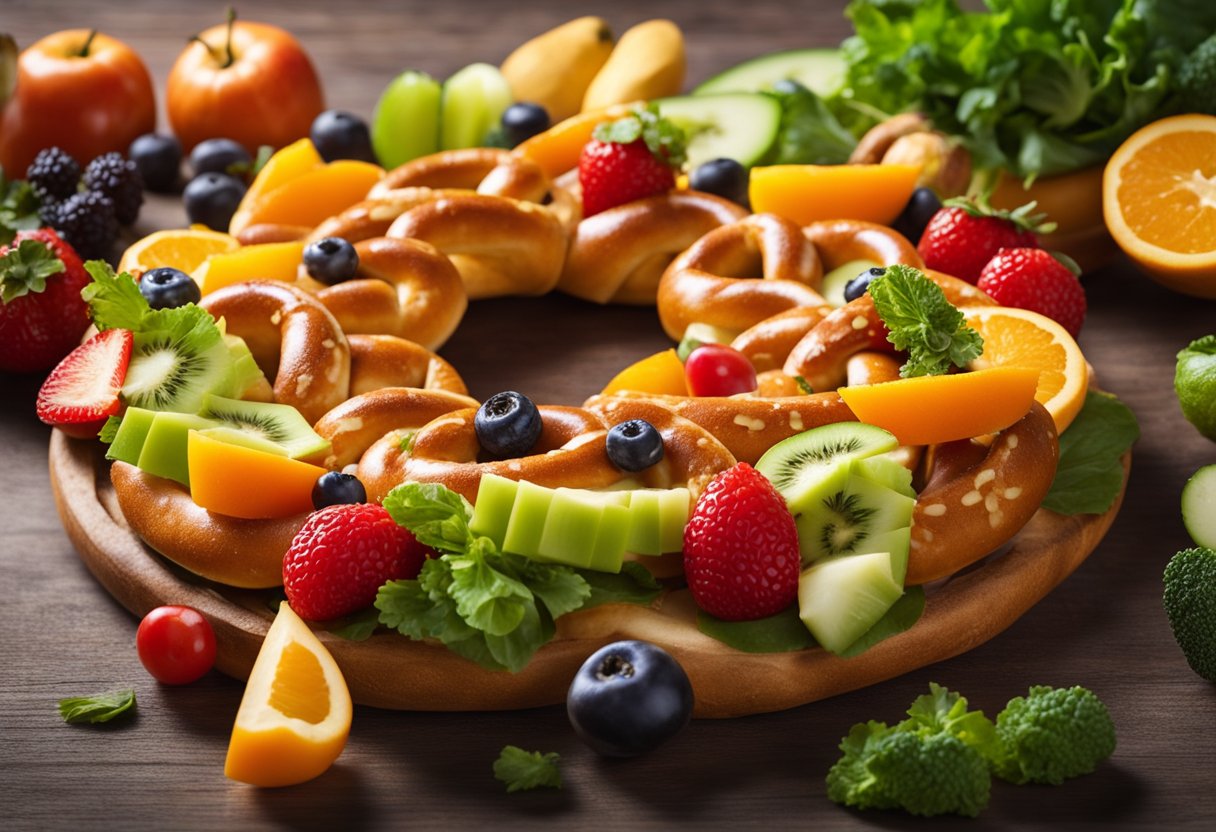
522	770
1090	472
101	707
358	627
634	584
922	322
780	633
809	133
109	431
25	268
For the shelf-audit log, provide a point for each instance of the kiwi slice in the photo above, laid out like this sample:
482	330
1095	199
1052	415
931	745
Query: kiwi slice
174	368
244	374
492	511
236	436
809	467
132	432
843	522
839	599
164	449
885	470
281	424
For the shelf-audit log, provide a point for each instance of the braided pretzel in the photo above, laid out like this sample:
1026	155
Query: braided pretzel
378	361
403	287
768	343
618	255
291	337
708	282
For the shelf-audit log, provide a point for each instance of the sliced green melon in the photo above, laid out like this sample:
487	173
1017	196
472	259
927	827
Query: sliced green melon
164	449
822	71
492	511
896	543
673	517
527	523
609	550
839	599
739	126
132	432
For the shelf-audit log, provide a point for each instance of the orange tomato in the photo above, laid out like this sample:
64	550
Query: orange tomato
86	96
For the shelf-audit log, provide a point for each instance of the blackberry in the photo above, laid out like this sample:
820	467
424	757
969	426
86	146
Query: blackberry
53	174
117	178
86	221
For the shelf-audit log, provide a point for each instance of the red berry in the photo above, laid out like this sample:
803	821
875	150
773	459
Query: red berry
1031	278
82	392
612	174
342	555
741	547
719	370
175	644
42	316
959	241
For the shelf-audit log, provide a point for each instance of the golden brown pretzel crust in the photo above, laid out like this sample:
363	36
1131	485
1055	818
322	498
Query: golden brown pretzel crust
292	337
486	170
618	255
378	361
711	281
373	217
840	241
241	553
768	343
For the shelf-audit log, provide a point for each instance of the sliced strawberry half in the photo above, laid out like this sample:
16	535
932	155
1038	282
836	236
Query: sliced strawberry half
82	392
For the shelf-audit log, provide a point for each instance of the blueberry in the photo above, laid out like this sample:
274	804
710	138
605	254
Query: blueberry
634	445
856	287
629	698
168	288
212	199
341	135
331	260
918	210
158	159
217	156
522	121
335	488
507	424
724	177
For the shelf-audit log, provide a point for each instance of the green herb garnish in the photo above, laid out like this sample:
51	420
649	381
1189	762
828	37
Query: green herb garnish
923	323
1090	473
665	138
522	770
101	707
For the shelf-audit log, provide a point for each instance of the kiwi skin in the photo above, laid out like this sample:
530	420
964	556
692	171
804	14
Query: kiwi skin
278	423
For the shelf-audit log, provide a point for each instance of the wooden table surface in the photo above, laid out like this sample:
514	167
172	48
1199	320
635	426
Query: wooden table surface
61	635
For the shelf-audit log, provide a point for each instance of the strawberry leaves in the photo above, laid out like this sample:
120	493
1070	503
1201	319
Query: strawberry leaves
664	138
26	267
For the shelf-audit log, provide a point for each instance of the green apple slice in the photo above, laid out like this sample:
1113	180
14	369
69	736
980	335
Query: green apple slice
405	124
472	105
839	599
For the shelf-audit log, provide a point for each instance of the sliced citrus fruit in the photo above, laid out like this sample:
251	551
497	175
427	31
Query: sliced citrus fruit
1021	338
810	193
1159	199
295	715
927	410
661	373
180	248
264	261
289	163
557	149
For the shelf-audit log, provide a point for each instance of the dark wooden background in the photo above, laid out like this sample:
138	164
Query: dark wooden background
61	635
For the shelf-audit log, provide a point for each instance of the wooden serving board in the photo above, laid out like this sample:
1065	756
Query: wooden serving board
389	671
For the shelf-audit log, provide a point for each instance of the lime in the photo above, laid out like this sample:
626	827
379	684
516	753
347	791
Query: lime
1195	384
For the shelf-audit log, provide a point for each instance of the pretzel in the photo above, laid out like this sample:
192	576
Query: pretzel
402	287
768	343
373	217
378	361
841	241
709	282
292	337
618	255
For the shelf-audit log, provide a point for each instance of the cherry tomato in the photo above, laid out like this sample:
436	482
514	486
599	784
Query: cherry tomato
175	644
718	370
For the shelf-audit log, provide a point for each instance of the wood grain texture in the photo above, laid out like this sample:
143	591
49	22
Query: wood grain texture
62	635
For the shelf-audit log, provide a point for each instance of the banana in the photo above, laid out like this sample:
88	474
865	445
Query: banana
648	63
555	68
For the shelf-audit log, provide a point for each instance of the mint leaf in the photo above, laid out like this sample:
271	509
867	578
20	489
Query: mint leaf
523	770
437	516
901	616
114	299
101	707
1090	472
922	322
632	585
109	430
25	269
780	633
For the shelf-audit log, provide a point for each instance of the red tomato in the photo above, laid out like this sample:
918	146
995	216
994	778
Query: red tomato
718	370
176	644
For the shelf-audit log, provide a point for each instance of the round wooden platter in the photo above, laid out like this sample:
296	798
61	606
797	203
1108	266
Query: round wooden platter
390	671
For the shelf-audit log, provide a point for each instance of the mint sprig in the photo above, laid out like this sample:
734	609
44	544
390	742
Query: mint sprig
665	139
101	707
523	770
923	323
25	269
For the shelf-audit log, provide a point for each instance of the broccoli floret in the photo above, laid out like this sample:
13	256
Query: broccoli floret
1190	605
1197	78
1052	734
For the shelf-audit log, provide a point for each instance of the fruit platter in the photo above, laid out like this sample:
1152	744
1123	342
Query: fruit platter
564	380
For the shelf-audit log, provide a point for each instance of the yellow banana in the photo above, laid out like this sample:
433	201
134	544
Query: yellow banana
648	63
555	68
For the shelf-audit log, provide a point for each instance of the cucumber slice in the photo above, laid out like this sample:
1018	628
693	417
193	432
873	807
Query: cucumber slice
473	103
527	523
840	598
839	277
571	528
406	122
492	511
1199	506
739	126
822	71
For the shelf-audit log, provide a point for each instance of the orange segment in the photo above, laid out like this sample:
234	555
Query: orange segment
287	164
1159	198
295	714
810	193
268	261
244	482
557	149
1021	338
312	196
661	373
930	409
180	248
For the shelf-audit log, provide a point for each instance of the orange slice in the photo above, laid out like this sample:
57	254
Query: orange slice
289	163
1159	198
295	715
810	193
311	197
661	373
927	410
181	248
265	261
1021	338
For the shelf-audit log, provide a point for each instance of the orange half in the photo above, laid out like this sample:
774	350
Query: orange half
184	249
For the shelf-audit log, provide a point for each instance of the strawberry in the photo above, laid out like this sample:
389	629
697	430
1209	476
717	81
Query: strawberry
82	391
1035	279
631	158
342	555
741	547
963	235
42	316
